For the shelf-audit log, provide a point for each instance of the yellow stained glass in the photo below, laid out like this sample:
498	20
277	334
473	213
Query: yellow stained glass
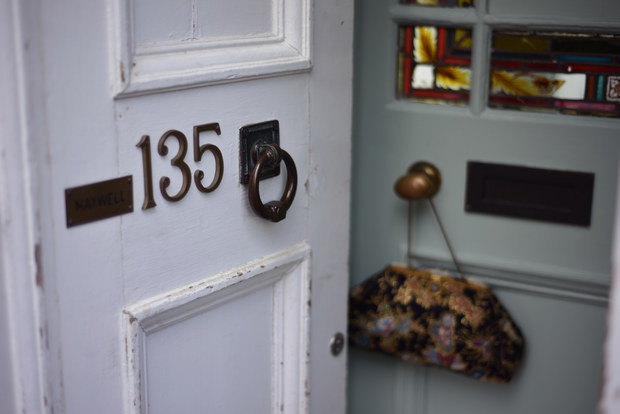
521	44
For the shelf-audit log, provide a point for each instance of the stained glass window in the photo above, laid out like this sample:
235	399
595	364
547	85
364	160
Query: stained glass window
434	64
574	73
441	3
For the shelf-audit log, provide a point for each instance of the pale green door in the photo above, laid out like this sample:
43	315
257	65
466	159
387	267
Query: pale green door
552	277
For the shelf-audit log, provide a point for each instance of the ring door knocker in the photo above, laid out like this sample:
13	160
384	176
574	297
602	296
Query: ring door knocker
272	154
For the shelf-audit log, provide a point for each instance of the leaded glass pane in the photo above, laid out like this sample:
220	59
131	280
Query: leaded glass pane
434	64
441	3
573	73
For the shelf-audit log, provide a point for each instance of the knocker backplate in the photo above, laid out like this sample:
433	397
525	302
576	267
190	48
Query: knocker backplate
251	137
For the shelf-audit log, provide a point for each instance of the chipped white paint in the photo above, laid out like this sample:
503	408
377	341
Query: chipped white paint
286	272
24	348
68	130
191	43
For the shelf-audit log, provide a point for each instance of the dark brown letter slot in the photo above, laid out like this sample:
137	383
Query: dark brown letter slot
534	193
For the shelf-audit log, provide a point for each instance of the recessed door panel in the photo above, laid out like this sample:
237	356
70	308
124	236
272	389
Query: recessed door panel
189	364
235	341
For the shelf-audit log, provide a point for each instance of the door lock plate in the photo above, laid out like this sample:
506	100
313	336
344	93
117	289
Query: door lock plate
251	137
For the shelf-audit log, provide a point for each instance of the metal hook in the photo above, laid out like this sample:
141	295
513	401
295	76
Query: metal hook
423	180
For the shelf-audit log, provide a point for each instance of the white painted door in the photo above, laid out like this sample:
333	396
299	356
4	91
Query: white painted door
191	303
553	278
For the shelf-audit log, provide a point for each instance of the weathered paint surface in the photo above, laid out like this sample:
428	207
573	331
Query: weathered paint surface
71	130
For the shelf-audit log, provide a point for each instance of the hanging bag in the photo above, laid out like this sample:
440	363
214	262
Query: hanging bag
422	316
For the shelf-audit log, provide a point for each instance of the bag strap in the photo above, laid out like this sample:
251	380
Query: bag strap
445	237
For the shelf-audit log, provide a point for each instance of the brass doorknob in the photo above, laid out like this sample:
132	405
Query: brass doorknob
422	180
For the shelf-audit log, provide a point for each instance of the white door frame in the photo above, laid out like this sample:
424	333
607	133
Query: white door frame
22	320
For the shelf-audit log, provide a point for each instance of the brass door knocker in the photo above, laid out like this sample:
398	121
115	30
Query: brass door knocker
275	210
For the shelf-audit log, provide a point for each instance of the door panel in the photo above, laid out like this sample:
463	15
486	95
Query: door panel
559	360
582	252
543	272
179	354
196	42
179	250
233	342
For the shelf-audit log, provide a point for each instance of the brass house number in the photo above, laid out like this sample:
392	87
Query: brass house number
260	156
178	161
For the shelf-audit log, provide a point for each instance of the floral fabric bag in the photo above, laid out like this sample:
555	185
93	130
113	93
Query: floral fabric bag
425	317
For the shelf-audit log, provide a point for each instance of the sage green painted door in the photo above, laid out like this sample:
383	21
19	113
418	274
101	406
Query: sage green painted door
553	278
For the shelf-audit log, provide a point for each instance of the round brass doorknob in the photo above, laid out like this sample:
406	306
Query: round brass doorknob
422	180
273	210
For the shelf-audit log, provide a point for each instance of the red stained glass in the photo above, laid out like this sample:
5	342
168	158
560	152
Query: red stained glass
590	68
440	3
407	75
554	67
588	106
441	43
591	87
439	95
408	40
521	101
502	64
458	61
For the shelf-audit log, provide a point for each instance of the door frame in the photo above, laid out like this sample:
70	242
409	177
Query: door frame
23	322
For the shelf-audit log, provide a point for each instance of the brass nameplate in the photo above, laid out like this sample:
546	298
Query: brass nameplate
99	201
